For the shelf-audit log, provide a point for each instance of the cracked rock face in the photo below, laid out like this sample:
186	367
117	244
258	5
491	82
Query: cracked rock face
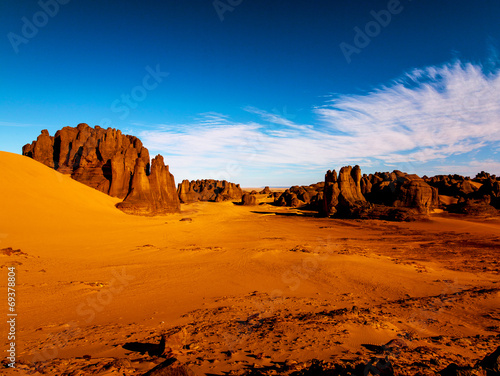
111	162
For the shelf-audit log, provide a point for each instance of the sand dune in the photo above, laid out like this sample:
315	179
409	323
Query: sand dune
234	287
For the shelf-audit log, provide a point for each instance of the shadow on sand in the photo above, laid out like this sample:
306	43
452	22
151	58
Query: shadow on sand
153	349
301	214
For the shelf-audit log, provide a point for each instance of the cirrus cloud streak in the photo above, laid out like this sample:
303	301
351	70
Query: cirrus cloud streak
425	118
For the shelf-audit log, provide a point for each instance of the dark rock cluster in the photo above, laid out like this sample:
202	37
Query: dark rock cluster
301	196
399	189
111	162
394	195
477	196
266	191
208	190
349	194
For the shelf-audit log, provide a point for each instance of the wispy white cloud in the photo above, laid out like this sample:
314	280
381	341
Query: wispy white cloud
427	115
276	118
471	168
20	125
448	110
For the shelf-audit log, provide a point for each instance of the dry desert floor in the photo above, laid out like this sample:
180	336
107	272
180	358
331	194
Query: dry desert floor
236	288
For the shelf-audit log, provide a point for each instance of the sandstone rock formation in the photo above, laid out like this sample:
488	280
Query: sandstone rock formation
208	190
342	193
392	195
41	149
491	189
477	196
302	196
399	189
452	185
266	191
249	199
414	192
110	162
153	194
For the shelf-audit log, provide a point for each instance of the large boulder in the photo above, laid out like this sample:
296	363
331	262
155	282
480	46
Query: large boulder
111	162
208	190
414	192
249	199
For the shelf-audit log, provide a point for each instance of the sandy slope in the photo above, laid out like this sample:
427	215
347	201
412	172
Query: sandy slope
229	282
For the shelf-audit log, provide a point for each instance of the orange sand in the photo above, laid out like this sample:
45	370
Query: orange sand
103	278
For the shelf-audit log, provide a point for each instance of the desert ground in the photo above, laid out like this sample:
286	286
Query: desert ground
236	288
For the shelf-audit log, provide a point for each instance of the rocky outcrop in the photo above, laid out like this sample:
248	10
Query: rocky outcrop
413	192
289	198
452	185
151	195
266	191
208	190
41	149
388	195
342	194
399	189
475	196
249	199
111	162
489	190
302	196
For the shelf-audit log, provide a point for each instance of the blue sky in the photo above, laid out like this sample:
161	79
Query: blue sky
259	92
